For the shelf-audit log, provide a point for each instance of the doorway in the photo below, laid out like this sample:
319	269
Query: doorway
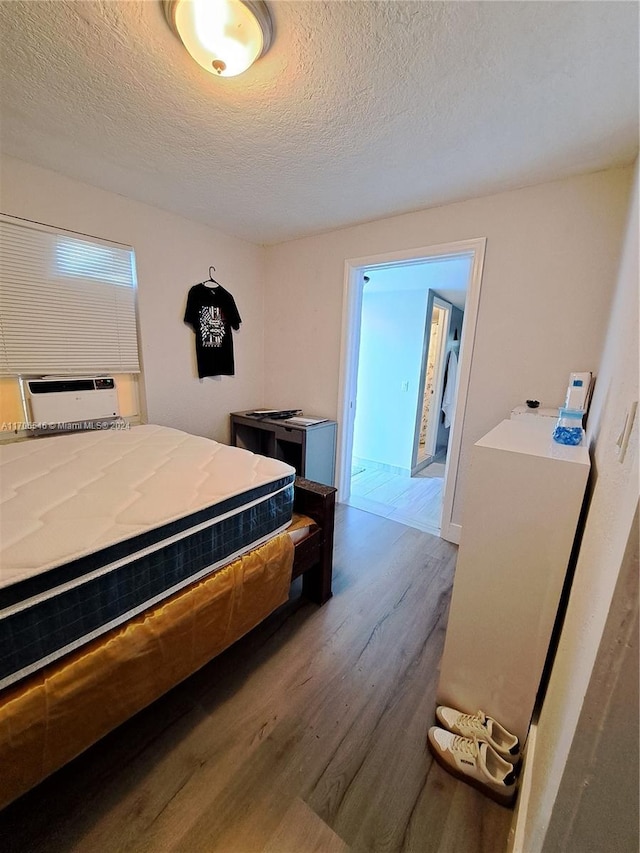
374	407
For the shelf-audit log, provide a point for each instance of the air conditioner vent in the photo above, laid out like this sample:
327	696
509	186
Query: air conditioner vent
67	401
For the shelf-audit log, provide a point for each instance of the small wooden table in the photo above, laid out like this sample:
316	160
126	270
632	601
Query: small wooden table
310	449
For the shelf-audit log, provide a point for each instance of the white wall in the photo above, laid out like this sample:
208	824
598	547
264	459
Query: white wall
549	271
549	274
172	253
597	807
391	345
608	526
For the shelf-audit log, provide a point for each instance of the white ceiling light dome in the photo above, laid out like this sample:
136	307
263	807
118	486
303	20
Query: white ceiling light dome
225	37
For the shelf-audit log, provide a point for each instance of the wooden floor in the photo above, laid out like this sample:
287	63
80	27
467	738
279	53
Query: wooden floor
307	736
415	501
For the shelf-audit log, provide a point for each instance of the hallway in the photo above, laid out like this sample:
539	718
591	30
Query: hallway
414	501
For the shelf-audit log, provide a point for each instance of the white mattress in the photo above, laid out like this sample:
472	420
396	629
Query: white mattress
68	496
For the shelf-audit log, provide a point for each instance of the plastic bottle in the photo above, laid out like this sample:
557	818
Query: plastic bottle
568	429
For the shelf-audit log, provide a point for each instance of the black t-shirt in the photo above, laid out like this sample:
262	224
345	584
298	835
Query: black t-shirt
212	312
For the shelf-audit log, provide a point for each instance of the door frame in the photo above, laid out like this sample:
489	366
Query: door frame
433	301
350	347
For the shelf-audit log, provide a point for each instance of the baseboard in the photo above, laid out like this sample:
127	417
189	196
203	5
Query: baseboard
372	465
451	532
421	465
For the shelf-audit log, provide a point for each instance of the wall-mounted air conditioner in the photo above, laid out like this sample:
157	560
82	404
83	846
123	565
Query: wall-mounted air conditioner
57	401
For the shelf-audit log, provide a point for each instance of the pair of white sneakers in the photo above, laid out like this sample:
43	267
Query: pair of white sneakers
478	750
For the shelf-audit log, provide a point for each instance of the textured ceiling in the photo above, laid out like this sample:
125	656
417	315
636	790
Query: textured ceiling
360	110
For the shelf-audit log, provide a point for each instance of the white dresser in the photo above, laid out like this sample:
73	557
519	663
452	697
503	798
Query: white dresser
521	508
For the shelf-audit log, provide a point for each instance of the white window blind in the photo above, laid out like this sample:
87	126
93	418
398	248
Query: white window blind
67	303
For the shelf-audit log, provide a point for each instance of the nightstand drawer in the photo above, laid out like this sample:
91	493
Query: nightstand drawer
291	434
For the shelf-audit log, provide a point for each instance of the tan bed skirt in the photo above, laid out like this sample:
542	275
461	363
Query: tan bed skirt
52	716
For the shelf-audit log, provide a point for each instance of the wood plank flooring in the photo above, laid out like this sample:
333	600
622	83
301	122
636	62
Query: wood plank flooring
414	501
307	736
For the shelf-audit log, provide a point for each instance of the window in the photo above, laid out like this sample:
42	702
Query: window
78	259
67	303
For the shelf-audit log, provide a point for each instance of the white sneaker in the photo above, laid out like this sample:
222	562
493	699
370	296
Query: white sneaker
482	728
474	762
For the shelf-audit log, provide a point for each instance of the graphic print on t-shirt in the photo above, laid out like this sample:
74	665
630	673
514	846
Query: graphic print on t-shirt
212	329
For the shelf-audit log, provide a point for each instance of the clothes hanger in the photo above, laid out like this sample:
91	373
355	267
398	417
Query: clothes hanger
211	279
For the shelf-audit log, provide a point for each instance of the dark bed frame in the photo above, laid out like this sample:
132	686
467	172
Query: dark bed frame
313	560
314	554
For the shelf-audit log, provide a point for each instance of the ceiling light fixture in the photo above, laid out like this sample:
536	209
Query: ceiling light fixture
225	37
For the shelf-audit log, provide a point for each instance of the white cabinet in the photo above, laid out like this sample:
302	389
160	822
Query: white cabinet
521	509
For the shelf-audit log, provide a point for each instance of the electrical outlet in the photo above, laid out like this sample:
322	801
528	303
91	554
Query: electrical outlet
405	385
623	438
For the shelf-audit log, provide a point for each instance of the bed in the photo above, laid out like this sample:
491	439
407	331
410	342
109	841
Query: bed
128	559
